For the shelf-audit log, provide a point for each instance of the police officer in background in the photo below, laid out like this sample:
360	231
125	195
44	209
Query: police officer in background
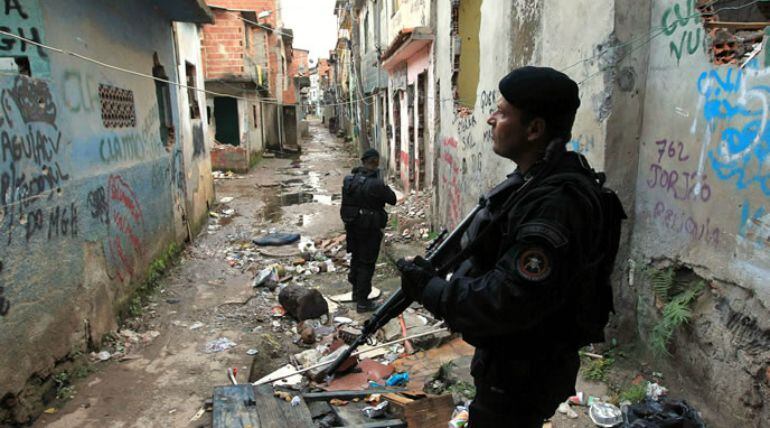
364	195
532	286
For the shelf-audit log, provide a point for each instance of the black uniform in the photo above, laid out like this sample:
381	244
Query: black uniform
364	195
527	295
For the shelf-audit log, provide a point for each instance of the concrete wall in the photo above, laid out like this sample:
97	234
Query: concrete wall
703	191
89	204
682	140
193	132
410	14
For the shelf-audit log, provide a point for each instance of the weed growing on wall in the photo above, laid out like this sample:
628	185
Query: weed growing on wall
677	298
596	369
633	393
155	273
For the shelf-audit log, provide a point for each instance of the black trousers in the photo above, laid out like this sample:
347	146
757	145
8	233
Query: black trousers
364	244
522	394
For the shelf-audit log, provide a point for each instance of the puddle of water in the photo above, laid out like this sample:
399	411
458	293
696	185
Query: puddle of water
273	203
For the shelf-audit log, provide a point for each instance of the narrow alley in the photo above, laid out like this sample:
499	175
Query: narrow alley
385	213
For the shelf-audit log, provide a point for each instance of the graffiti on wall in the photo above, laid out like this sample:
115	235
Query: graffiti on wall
681	23
674	181
126	226
736	137
450	179
582	144
31	167
22	18
5	304
79	92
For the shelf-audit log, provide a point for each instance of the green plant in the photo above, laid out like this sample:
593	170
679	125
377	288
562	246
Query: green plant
432	235
662	281
64	391
634	393
596	369
155	273
676	312
394	222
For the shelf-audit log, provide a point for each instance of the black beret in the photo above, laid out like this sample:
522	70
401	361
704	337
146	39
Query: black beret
370	153
542	91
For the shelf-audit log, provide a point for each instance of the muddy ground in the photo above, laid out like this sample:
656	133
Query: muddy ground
164	380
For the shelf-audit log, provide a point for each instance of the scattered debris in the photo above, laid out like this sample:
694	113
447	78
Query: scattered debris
655	391
460	417
196	325
605	414
666	412
219	345
566	409
252	351
374	412
303	303
277	239
104	355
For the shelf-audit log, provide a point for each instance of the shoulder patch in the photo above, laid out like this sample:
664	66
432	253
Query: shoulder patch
550	233
533	264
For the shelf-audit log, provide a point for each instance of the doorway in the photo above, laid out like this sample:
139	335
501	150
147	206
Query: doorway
226	117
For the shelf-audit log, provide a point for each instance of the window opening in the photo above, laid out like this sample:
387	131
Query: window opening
163	95
465	27
735	28
15	65
192	93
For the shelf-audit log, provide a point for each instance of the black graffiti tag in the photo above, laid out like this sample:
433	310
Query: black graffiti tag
100	209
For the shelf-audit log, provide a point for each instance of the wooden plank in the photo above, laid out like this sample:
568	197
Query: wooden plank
428	412
276	413
737	25
388	423
344	395
234	406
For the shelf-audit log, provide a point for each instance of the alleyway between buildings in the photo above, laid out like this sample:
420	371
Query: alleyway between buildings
159	368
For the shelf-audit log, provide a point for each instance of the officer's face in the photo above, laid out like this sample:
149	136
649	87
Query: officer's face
511	135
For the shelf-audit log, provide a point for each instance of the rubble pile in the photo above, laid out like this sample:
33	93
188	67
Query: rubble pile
410	219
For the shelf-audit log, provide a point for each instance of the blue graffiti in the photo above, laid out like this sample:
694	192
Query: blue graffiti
740	110
752	227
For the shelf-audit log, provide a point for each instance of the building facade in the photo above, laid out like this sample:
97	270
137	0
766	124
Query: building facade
101	172
673	110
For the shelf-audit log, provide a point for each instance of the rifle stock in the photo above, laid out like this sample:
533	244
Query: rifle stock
438	252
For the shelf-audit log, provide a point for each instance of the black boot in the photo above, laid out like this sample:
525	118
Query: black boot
366	306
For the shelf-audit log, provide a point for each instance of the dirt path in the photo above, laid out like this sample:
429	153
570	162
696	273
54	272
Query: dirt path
166	382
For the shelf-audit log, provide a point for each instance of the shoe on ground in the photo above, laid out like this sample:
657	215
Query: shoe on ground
368	306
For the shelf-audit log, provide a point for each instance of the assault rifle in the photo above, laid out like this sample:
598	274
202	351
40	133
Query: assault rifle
438	253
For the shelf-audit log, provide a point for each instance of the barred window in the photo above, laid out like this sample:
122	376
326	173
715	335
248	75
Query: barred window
118	108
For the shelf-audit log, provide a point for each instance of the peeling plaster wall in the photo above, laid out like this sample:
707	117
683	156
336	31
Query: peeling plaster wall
86	207
514	34
703	193
195	142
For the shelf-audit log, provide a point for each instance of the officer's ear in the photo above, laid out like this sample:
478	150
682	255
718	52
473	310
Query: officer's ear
536	129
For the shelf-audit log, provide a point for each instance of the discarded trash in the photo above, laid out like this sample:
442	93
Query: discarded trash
278	311
226	200
231	373
104	356
296	401
459	417
196	325
50	410
342	320
291	381
337	402
578	399
565	409
278	238
398	379
655	391
378	411
252	351
198	414
664	413
219	345
266	276
283	395
605	414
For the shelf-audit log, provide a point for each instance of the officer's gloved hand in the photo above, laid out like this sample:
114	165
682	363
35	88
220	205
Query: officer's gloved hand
415	275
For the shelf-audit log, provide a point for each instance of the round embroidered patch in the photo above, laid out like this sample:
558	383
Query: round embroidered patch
533	264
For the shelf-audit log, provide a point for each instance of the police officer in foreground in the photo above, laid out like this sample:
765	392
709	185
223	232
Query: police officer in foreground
532	286
364	195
